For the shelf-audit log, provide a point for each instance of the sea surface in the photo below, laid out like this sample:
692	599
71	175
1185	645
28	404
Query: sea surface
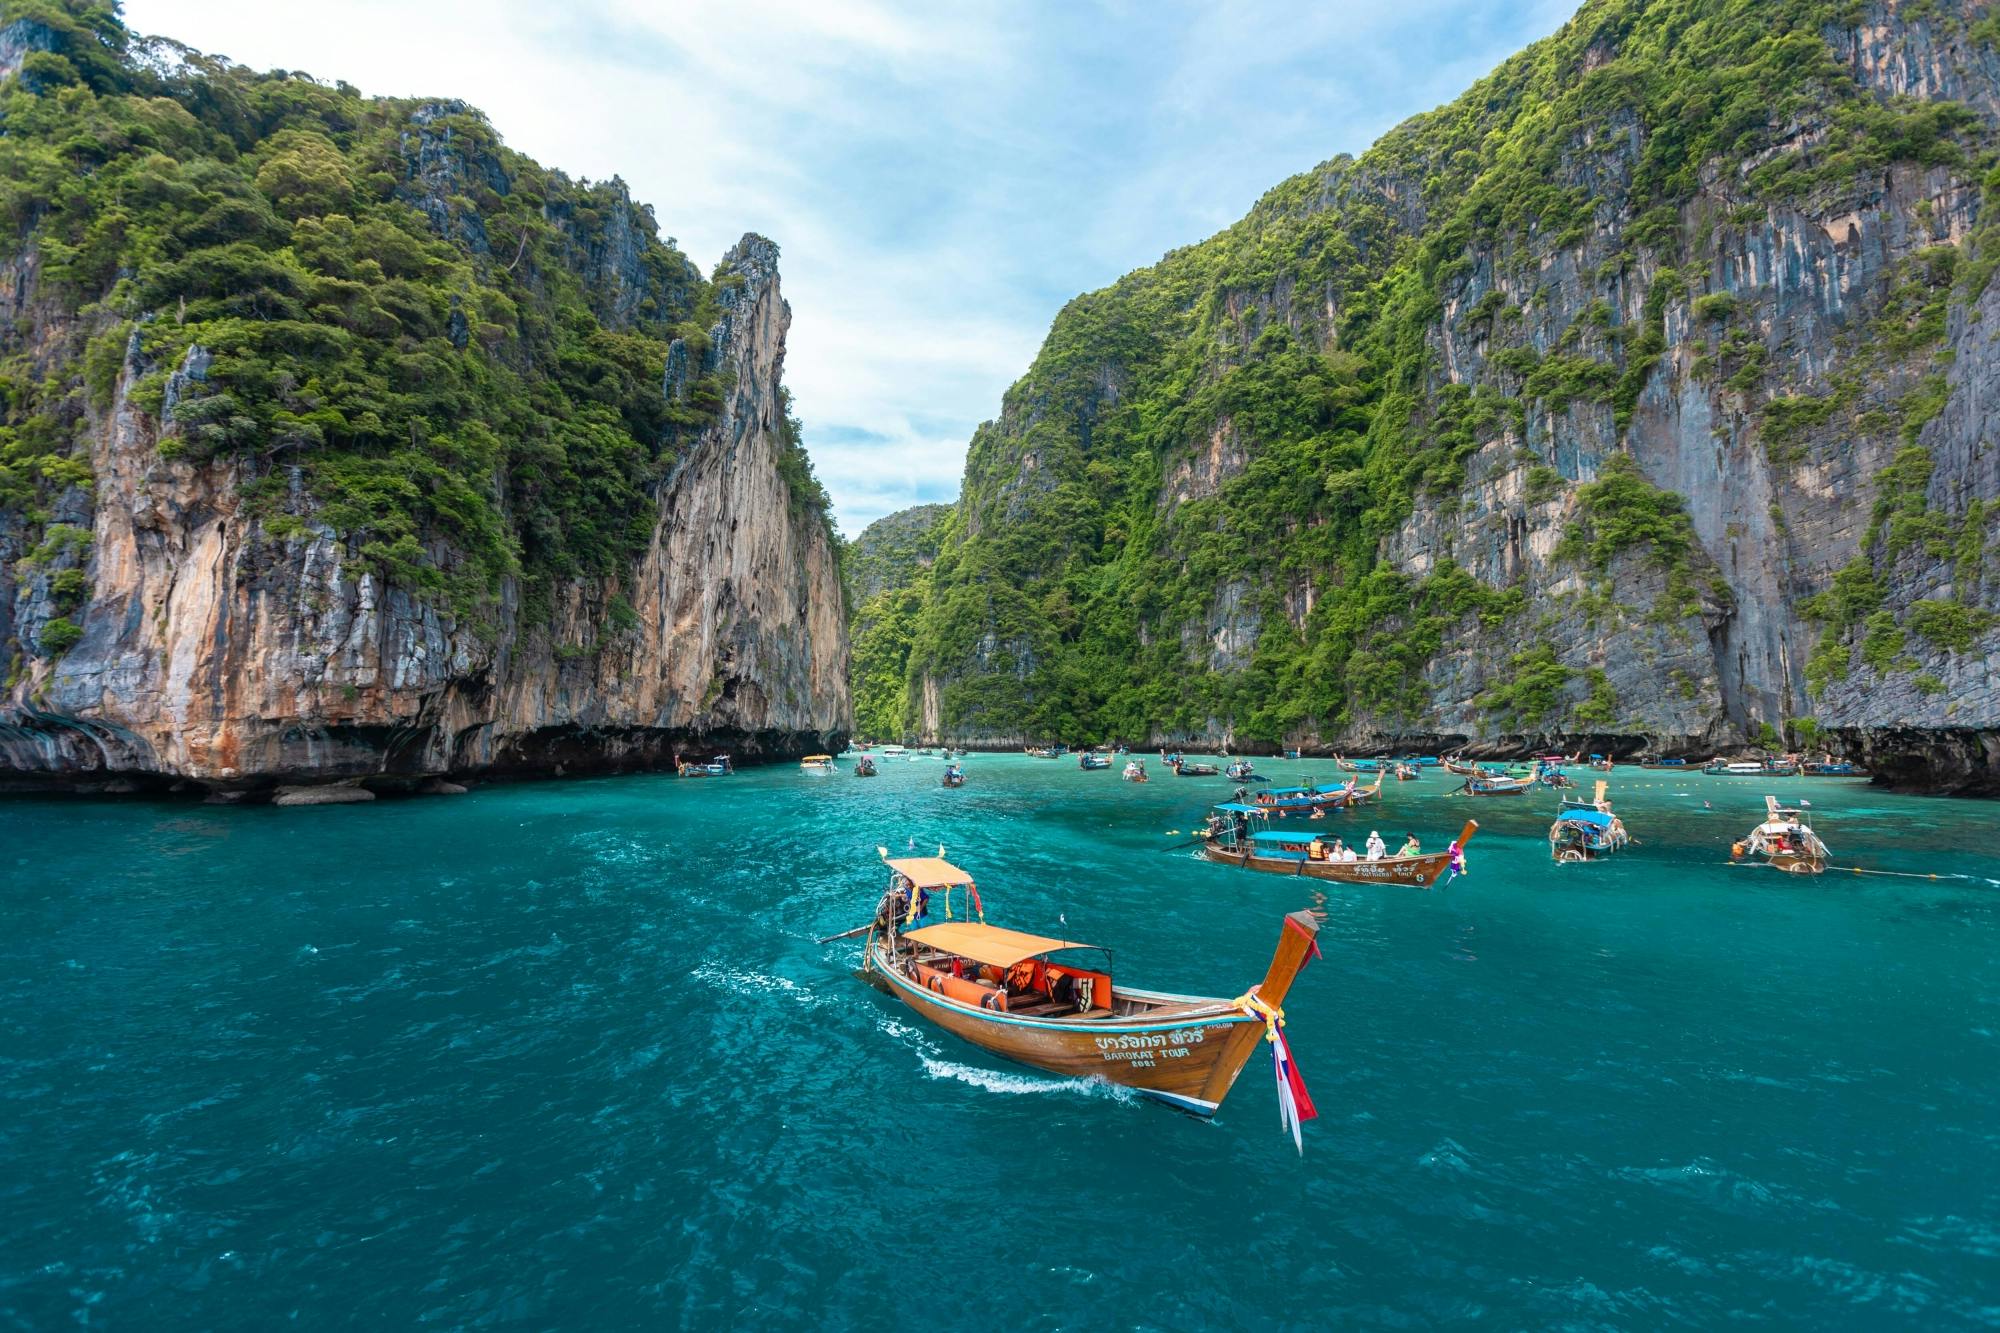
566	1055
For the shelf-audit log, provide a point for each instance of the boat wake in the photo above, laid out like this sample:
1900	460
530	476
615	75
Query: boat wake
994	1081
746	983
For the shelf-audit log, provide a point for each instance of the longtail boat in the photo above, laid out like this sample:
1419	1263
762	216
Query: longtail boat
1052	1003
864	767
1360	765
1453	764
1291	752
1230	841
1831	768
1785	840
816	763
1186	769
714	768
1297	801
1406	772
1586	830
1242	770
954	776
1090	761
1602	763
1135	770
1039	751
1663	763
1493	784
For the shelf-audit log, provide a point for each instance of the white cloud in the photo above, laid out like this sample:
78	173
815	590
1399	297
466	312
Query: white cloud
940	178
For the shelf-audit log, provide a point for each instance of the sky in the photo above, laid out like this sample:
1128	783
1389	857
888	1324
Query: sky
940	177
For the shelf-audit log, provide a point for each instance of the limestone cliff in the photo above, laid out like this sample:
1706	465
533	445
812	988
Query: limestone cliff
1641	399
231	606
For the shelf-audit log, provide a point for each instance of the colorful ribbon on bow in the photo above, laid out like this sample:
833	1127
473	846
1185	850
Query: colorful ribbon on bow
1295	1104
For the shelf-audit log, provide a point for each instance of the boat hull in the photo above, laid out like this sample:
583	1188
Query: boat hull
1189	1062
1416	872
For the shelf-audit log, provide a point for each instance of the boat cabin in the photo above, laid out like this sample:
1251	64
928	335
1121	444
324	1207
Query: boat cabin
991	967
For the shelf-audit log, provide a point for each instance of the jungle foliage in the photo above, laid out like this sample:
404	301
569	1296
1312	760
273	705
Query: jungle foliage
1179	518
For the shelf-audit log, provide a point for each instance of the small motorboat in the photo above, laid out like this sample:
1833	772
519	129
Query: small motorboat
864	767
816	764
1785	841
894	751
1052	1003
1090	761
1230	840
714	768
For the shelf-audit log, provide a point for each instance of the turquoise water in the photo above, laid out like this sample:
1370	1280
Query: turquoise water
566	1054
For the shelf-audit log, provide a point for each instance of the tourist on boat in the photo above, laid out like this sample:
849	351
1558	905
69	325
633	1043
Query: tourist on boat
1376	847
1316	850
1410	847
1341	852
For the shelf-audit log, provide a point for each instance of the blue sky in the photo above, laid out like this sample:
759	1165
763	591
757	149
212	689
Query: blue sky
941	178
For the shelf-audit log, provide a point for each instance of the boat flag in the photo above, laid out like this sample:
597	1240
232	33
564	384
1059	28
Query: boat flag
1295	1104
1457	863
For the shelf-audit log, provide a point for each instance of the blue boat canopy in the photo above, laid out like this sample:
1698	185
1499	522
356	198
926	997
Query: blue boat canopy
1596	818
1285	837
1233	807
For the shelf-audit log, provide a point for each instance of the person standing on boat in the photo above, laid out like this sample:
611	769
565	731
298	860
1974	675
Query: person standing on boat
1376	847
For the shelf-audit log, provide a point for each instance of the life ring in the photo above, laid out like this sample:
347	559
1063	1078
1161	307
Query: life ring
1570	856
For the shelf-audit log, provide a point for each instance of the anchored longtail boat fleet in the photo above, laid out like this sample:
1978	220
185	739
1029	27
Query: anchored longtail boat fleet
1053	1004
1307	801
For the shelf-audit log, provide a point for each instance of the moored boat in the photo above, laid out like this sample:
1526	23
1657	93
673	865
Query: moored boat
1496	784
1296	802
1135	770
816	763
1052	1004
864	767
1586	830
1785	841
1232	840
1663	763
1039	751
954	776
1601	763
1090	761
1407	772
1831	768
714	768
894	751
1186	768
1242	770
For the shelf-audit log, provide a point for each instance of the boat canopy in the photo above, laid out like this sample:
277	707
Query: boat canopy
993	945
1279	835
1236	807
930	872
1595	817
817	759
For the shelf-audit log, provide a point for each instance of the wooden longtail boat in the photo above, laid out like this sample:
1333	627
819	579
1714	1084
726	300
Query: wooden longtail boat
1290	802
1135	770
1663	763
1492	784
1407	772
1242	770
1052	1004
954	776
1586	830
1039	751
1452	764
1185	769
1090	761
864	767
1602	763
1785	841
1228	842
714	768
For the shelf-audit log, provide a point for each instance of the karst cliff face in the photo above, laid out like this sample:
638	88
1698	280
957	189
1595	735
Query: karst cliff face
180	611
1640	399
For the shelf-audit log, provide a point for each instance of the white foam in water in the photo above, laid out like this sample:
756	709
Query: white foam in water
993	1081
744	982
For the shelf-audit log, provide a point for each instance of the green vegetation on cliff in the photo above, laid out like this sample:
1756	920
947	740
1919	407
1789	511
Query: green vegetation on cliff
1179	520
390	324
888	579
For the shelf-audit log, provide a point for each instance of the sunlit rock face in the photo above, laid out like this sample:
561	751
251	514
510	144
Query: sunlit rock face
215	654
